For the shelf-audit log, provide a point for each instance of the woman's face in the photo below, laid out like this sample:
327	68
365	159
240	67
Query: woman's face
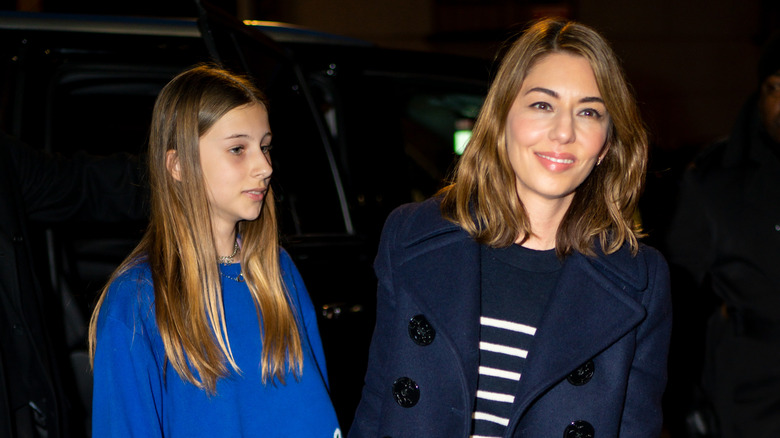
556	130
234	156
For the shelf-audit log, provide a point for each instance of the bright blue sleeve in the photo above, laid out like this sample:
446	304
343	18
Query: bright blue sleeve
305	309
127	389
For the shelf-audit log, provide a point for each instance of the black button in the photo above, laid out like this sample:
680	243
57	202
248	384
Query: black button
579	429
421	331
406	392
583	374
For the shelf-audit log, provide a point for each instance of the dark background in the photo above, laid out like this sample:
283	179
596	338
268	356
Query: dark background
692	63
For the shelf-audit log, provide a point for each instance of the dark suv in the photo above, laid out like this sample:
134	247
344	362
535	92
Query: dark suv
358	130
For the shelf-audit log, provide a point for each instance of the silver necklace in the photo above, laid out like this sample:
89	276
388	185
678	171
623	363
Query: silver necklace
226	260
238	279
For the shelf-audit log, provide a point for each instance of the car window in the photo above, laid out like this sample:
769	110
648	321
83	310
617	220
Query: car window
306	179
397	138
103	109
436	126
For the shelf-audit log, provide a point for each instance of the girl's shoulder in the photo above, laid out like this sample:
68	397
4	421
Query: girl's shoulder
130	294
134	276
285	260
290	274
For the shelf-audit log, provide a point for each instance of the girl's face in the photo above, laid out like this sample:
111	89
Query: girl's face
234	156
556	129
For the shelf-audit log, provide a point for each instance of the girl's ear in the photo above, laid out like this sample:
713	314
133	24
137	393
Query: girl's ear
172	164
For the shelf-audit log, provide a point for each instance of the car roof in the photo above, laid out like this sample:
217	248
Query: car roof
155	26
307	44
99	24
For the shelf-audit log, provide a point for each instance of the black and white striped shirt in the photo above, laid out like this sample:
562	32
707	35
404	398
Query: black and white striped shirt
516	282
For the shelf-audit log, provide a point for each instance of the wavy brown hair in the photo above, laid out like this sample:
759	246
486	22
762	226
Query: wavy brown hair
179	244
483	199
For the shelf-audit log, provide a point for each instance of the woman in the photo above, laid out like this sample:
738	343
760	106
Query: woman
519	302
206	329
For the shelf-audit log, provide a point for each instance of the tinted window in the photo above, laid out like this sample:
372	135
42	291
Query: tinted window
306	179
397	139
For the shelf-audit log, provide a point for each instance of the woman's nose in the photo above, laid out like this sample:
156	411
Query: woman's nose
562	129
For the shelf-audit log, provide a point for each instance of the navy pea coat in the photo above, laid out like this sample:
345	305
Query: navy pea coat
597	367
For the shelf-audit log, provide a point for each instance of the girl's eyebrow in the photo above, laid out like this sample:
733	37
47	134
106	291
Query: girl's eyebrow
240	135
554	94
237	135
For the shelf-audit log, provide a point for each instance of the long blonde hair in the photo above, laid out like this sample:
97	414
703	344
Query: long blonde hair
179	245
483	199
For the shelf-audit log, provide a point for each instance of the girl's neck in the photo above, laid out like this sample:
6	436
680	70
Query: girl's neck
225	243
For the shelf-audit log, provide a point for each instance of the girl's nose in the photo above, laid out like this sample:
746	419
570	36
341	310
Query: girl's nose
262	165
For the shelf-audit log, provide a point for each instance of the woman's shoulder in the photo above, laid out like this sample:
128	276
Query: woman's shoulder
632	268
419	221
429	209
627	255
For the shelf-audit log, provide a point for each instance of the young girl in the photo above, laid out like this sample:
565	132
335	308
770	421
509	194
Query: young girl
206	329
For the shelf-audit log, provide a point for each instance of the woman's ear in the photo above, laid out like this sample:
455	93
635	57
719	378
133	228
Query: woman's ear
172	164
603	153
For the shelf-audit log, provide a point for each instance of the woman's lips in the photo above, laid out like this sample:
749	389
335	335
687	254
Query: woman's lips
556	162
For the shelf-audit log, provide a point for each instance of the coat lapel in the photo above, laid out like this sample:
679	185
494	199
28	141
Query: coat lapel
590	309
439	271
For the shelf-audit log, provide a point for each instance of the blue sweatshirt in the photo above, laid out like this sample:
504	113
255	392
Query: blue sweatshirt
133	397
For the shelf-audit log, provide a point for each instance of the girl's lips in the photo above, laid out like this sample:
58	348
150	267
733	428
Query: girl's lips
256	194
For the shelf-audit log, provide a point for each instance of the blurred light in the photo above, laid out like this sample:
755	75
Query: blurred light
462	138
270	24
462	134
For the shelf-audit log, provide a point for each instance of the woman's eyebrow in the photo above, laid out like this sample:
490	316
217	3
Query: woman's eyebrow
547	91
554	94
592	99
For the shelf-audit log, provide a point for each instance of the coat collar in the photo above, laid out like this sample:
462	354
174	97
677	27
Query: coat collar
593	305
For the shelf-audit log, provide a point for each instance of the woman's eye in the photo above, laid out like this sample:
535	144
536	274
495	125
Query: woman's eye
590	112
541	105
266	148
236	150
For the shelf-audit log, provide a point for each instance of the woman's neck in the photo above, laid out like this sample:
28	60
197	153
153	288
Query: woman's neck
545	217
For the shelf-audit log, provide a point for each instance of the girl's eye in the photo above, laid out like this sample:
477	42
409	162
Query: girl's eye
542	106
236	150
266	148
